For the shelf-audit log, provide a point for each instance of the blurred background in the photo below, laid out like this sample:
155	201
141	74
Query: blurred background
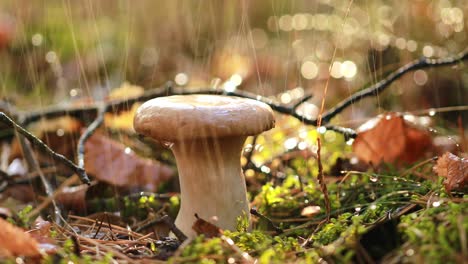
63	52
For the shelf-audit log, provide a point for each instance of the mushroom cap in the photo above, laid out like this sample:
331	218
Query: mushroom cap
181	117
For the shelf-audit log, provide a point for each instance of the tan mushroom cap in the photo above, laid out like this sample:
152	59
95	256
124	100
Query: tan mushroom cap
182	117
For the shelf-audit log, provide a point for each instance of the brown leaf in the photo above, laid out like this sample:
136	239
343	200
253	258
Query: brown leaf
109	161
41	233
454	169
73	198
390	138
206	228
15	242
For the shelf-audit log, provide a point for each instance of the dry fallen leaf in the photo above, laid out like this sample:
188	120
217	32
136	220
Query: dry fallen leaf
111	162
390	138
125	91
41	233
206	228
15	242
454	169
123	120
74	198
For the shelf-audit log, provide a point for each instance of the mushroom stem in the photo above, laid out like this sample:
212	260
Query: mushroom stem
211	182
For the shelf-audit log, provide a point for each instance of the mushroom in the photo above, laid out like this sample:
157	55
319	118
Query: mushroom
206	134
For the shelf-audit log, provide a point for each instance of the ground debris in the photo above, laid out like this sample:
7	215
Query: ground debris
454	169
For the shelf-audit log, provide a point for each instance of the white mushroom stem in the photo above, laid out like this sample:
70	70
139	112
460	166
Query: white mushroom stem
211	182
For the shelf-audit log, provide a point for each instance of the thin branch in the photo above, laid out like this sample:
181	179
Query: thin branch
174	229
121	105
379	87
88	133
301	101
259	215
33	164
44	148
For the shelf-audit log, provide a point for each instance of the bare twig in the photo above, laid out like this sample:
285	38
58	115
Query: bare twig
120	105
275	227
44	148
379	87
51	198
301	101
33	164
88	133
167	220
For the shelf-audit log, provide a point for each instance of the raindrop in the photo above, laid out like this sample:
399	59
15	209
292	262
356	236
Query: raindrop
309	70
428	51
400	43
60	132
290	143
73	92
37	39
348	69
373	178
420	77
335	71
409	252
229	86
236	79
302	145
181	79
350	142
167	144
51	57
128	150
265	169
322	130
248	148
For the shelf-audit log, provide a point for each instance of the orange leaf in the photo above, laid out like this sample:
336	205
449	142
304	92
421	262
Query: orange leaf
15	242
41	233
109	162
125	91
206	228
390	138
454	169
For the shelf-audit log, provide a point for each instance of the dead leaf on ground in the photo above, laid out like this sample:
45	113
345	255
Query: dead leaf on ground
15	242
123	120
41	233
111	162
454	169
390	138
206	228
125	91
74	198
60	134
